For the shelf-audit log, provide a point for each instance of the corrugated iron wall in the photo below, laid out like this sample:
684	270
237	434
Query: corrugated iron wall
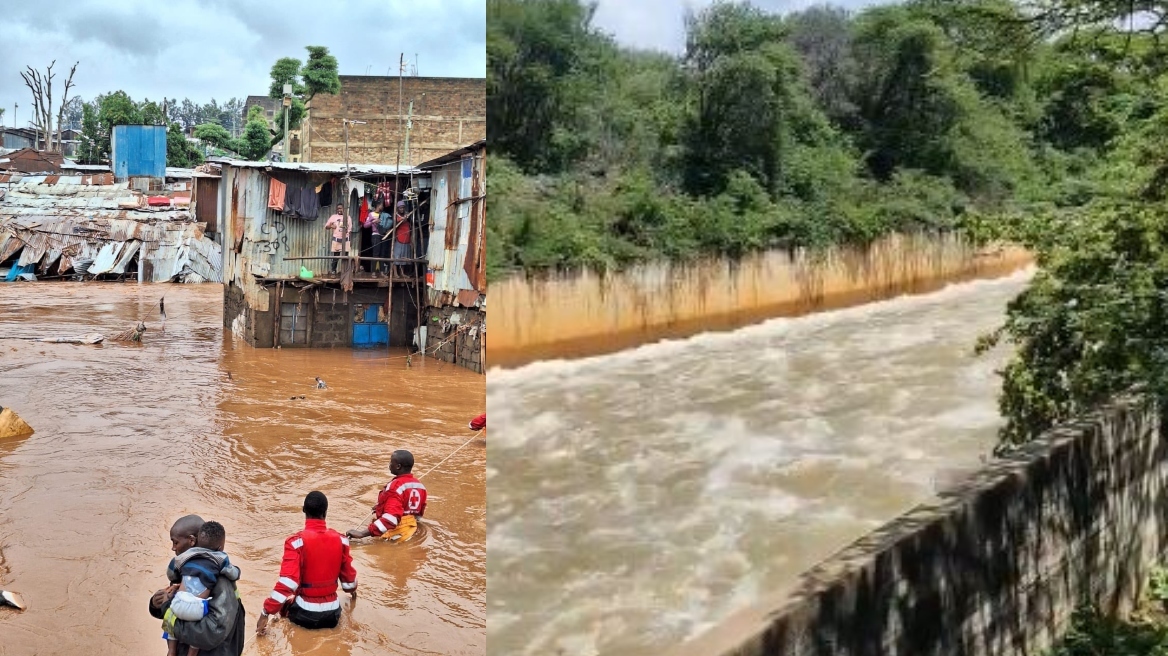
206	202
139	150
263	237
457	209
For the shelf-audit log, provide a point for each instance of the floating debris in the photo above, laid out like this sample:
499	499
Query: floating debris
91	338
11	425
11	599
132	335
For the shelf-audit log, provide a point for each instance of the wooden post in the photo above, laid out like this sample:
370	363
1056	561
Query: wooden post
276	310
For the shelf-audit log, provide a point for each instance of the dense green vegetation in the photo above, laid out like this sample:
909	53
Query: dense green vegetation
1039	122
806	129
99	117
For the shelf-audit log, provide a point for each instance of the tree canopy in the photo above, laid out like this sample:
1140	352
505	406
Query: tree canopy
1039	121
316	75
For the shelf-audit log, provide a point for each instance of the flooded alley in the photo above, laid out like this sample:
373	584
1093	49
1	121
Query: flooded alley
639	498
130	437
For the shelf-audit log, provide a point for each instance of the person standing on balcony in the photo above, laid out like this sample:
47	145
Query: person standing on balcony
341	227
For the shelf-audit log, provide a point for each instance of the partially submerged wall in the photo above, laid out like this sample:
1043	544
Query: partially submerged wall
996	566
588	314
455	335
328	316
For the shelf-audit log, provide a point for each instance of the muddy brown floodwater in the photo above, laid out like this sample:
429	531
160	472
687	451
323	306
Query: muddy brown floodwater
130	437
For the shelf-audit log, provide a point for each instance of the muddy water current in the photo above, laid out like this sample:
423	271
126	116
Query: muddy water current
130	437
638	498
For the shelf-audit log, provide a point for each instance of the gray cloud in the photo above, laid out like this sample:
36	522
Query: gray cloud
203	49
659	24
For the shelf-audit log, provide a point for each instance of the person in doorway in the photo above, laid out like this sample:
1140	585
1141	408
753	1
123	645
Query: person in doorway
373	223
195	571
385	224
340	225
401	241
315	560
221	631
399	505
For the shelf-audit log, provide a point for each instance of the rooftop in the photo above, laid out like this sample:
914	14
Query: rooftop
318	167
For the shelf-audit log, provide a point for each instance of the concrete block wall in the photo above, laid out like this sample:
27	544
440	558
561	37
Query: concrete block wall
465	349
330	322
994	566
330	315
449	113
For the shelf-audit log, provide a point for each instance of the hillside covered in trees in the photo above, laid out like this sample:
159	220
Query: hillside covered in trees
805	129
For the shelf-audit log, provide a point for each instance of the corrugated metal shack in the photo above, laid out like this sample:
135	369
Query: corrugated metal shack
91	226
266	301
455	321
138	151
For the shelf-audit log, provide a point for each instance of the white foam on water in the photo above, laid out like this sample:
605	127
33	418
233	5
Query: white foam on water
638	498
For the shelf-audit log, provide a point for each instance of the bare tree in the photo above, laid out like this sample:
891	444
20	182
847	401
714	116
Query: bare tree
41	86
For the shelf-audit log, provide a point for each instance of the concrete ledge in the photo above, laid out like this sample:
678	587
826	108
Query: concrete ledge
995	565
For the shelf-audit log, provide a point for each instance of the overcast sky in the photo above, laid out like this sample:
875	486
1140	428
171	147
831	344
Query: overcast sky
203	49
658	24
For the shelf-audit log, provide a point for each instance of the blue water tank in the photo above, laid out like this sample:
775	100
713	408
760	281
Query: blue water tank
138	151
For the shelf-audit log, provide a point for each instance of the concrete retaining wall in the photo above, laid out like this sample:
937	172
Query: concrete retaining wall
588	314
995	566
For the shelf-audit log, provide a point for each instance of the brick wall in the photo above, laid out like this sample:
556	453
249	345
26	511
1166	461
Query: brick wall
449	113
994	566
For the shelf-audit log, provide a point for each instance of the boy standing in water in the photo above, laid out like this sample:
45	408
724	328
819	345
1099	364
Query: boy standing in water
199	561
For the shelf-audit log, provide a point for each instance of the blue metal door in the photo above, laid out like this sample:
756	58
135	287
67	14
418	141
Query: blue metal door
367	330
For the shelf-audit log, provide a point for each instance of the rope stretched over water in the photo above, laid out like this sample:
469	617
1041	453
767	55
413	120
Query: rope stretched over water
451	454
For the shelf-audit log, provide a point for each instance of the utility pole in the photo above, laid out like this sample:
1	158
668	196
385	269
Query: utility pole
287	111
409	124
348	211
15	106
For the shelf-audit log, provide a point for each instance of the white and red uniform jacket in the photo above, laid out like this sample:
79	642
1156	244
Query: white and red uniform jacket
404	495
315	559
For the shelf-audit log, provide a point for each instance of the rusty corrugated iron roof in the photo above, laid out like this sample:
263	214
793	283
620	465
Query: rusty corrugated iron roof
27	160
107	224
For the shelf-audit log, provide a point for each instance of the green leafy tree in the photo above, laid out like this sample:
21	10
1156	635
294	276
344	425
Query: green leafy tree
317	75
540	73
89	150
151	113
286	70
180	152
255	144
320	73
213	134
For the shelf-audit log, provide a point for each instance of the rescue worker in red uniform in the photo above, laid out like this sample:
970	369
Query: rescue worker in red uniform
399	505
315	559
479	422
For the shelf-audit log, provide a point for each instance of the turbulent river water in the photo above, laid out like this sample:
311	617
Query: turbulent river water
636	499
130	437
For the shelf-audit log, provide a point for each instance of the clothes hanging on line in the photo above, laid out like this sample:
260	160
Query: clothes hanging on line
385	192
291	200
309	203
276	194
